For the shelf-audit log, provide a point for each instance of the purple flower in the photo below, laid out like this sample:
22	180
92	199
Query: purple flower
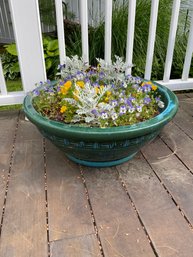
123	109
36	92
114	116
147	88
94	111
147	100
104	115
131	99
114	103
157	99
131	109
79	75
139	108
101	74
86	80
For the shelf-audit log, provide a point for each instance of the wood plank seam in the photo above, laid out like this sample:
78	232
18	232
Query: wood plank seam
137	213
46	198
9	172
174	153
169	193
182	130
91	212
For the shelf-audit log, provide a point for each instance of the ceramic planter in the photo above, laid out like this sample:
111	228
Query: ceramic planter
102	147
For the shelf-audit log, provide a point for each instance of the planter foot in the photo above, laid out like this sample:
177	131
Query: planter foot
100	164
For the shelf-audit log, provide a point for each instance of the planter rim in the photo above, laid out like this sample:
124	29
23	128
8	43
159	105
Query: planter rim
102	134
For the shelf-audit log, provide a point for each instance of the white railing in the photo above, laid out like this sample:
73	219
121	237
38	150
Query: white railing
26	22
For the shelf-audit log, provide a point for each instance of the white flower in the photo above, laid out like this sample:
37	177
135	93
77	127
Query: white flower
161	104
123	109
114	116
139	108
104	115
131	109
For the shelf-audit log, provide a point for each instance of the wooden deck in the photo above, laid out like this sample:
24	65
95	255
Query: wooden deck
52	207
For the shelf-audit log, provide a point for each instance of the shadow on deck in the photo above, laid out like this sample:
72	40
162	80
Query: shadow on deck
53	207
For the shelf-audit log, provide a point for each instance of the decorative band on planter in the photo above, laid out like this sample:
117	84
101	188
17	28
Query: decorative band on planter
97	115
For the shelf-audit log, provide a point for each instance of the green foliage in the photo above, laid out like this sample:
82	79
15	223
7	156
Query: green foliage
11	49
51	55
10	62
10	66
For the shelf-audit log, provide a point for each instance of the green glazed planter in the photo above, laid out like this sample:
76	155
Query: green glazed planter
103	147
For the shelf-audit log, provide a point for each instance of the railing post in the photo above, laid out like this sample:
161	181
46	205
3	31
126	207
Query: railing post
60	30
108	30
84	29
27	30
3	88
130	34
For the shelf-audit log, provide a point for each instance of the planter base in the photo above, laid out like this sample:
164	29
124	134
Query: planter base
100	164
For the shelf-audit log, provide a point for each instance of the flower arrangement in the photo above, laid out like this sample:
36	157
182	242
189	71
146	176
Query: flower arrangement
101	96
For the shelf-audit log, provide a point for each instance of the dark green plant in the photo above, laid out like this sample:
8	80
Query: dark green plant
11	65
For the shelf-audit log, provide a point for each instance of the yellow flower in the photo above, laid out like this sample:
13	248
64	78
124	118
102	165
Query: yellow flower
108	93
63	109
154	87
96	90
106	99
68	84
80	83
64	89
101	87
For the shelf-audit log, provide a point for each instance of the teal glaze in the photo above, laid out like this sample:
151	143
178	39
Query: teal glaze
102	164
95	146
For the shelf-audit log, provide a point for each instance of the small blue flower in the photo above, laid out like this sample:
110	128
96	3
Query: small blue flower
147	100
114	116
36	92
104	115
147	88
131	99
131	109
94	111
123	109
157	99
114	103
101	74
139	108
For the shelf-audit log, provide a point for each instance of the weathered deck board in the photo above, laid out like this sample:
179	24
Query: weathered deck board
69	213
24	230
119	228
83	246
8	122
180	143
175	176
186	103
141	217
185	122
169	232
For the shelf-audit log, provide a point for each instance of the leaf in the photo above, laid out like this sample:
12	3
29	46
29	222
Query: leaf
48	63
53	45
15	67
12	49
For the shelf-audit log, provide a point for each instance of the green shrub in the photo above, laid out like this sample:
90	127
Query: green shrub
11	65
